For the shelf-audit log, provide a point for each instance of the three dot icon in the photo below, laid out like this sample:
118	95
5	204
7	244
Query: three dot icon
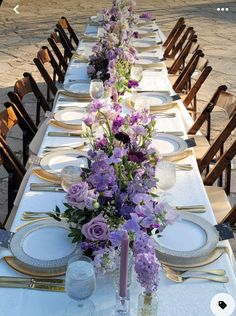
222	9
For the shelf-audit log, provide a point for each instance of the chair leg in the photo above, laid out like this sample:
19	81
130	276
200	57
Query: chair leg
38	112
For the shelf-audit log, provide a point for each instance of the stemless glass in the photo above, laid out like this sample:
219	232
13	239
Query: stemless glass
70	175
136	73
166	175
96	89
80	284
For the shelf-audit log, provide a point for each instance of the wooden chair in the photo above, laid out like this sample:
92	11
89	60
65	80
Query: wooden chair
218	144
12	116
14	169
62	61
67	46
44	56
179	63
173	31
171	45
190	101
64	23
25	86
230	217
217	195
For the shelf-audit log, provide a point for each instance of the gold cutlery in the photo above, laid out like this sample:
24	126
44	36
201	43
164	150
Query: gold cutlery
165	115
190	207
64	134
71	108
47	189
184	167
180	156
175	133
219	272
181	279
33	286
48	149
46	185
31	280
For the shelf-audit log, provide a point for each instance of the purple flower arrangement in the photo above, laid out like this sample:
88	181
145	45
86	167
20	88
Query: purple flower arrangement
117	191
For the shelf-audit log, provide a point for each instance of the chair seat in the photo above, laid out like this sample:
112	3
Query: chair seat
219	202
202	146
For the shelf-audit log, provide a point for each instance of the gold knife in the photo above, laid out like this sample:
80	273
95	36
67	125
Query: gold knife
6	279
33	286
64	134
47	189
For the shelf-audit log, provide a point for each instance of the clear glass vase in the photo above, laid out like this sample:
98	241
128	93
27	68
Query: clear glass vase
147	304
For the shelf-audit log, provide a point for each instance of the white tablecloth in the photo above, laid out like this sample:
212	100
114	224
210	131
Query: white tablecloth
190	298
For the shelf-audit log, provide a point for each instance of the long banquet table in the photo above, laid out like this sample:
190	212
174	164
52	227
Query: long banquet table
189	298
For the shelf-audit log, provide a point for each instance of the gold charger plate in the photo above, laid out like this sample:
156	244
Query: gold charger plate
214	255
66	126
18	266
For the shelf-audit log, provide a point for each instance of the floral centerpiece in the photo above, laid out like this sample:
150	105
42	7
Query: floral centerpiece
117	191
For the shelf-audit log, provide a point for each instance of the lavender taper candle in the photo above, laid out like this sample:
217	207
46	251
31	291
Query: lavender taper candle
124	255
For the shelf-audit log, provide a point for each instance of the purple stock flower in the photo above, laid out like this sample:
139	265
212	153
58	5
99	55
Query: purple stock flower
101	143
147	268
136	156
89	120
136	35
117	123
132	84
118	153
96	229
96	105
143	243
146	15
115	237
131	226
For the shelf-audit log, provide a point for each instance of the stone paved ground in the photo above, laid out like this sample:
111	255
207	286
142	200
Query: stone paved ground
22	35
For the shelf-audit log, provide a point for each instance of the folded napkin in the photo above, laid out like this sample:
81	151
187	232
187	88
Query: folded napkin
147	34
146	49
66	126
77	95
180	156
162	107
47	176
152	65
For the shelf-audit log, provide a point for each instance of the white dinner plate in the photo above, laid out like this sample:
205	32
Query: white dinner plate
56	161
168	145
77	87
151	98
186	241
72	117
43	244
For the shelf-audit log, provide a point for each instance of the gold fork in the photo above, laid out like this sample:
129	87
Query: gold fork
181	279
219	272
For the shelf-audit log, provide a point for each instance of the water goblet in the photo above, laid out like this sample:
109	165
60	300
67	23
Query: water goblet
96	89
70	175
166	175
80	284
136	73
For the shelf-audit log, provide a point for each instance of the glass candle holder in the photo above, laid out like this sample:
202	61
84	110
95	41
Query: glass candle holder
96	89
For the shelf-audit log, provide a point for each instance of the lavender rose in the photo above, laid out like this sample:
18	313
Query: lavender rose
96	229
77	195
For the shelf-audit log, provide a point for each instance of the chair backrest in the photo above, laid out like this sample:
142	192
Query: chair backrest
43	56
190	100
173	31
12	116
188	34
179	63
230	217
170	47
14	169
222	164
218	144
27	85
183	82
66	26
217	100
61	59
64	38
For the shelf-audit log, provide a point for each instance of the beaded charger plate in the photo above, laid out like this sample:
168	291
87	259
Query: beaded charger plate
189	240
43	246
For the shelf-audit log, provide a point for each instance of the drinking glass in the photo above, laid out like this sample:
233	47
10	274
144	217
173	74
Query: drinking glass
166	175
70	175
136	73
80	284
96	89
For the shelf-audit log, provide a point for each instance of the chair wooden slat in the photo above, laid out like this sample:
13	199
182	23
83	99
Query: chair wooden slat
173	31
230	217
61	59
66	25
169	48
